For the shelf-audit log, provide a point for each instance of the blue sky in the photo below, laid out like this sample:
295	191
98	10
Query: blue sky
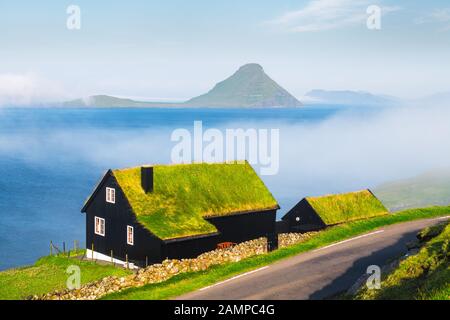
179	49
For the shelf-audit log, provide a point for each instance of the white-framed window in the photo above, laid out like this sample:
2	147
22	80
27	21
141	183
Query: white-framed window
130	235
99	226
111	195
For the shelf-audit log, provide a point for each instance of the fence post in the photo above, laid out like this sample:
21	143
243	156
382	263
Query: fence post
64	247
146	261
92	251
112	257
75	245
51	248
126	260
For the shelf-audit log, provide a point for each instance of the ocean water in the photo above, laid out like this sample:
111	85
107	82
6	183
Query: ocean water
50	159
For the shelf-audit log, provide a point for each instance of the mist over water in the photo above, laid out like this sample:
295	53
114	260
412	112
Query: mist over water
50	159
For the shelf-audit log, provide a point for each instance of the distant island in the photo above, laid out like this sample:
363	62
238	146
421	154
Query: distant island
249	87
349	98
105	101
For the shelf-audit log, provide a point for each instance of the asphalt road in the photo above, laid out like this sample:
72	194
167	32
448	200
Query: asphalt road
321	273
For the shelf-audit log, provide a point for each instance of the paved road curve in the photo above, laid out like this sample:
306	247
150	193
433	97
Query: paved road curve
321	273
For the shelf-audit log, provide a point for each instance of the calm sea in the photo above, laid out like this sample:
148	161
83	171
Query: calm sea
50	159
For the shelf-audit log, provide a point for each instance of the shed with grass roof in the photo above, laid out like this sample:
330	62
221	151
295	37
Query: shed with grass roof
151	213
315	213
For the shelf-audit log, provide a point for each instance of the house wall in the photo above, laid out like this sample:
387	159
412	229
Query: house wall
233	228
189	248
93	255
243	227
309	220
117	216
282	226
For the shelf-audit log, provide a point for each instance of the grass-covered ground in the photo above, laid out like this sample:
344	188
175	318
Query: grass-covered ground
341	208
184	194
425	275
184	283
432	188
49	274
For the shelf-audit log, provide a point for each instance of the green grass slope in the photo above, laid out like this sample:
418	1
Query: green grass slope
49	274
425	275
347	207
188	282
432	188
184	194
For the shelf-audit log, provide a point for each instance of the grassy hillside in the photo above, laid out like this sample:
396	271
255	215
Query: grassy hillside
428	189
188	282
347	207
425	275
49	274
184	194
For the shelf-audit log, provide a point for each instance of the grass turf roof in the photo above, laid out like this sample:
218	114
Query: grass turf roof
340	208
184	195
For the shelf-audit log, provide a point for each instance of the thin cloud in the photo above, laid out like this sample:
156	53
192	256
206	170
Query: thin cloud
321	15
437	16
27	89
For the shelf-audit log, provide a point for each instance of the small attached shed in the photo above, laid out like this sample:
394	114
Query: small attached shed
315	213
151	213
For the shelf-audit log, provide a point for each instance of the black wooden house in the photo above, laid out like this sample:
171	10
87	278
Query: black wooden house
151	213
315	213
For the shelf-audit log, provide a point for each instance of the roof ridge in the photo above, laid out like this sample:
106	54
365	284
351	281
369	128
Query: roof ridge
337	194
180	164
238	212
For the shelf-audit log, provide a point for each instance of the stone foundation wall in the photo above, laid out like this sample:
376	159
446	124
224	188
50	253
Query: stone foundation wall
169	268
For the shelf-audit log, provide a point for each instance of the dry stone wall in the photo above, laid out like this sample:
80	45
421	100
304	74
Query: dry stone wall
169	268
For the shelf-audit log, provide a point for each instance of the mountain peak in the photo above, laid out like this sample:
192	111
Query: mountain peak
255	67
249	86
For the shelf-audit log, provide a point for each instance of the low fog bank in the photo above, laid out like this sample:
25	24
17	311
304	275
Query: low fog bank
92	147
351	150
396	143
29	89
